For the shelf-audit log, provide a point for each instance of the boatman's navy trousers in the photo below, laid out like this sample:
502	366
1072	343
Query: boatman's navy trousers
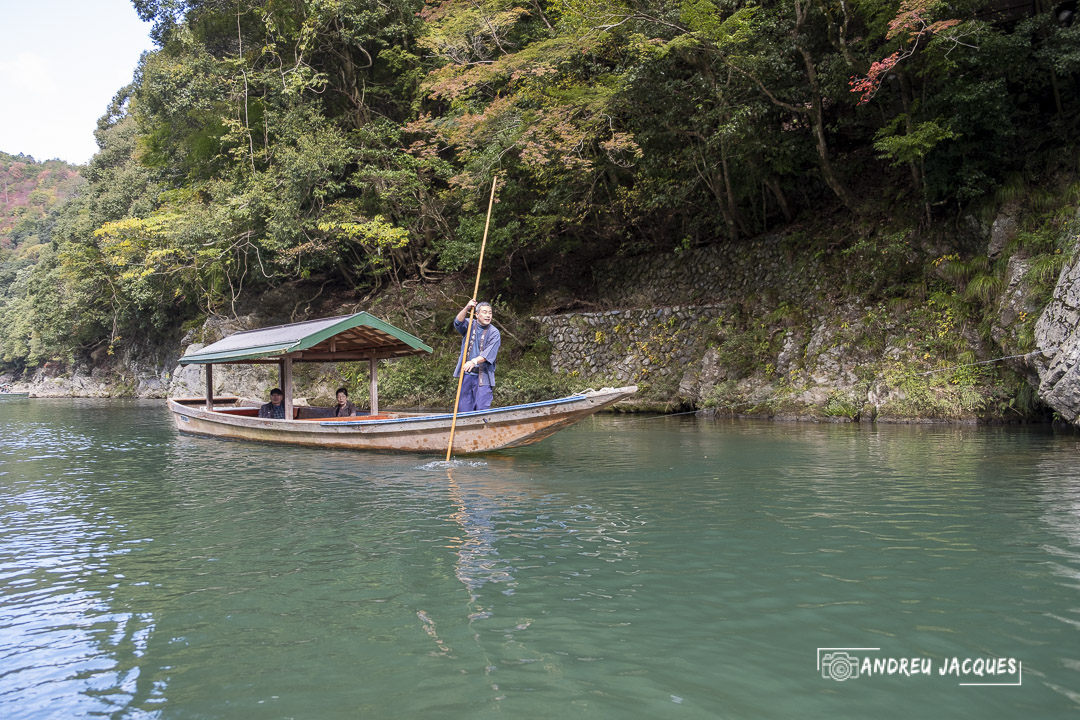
474	396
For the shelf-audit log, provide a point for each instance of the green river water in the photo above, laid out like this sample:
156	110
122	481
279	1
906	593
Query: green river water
628	567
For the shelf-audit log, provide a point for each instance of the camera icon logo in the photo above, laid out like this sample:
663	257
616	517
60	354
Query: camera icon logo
839	666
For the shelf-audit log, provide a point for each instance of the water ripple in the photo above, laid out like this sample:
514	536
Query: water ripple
619	569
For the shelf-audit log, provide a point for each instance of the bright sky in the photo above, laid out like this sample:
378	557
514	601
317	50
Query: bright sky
61	62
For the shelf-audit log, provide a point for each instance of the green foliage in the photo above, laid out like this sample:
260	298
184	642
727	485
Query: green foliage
427	381
1023	403
937	395
707	19
530	379
412	382
912	146
842	405
984	288
351	143
880	264
729	398
1045	269
745	344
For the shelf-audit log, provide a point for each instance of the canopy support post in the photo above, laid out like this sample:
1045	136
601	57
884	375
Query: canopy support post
285	375
209	386
373	365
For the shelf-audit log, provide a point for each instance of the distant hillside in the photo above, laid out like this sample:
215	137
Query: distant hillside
28	190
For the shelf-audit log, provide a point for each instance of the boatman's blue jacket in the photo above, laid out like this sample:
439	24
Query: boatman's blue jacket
485	342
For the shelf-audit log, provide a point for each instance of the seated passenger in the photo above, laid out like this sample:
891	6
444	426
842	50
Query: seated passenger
344	408
275	409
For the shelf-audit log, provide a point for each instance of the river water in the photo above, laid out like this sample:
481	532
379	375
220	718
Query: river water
628	567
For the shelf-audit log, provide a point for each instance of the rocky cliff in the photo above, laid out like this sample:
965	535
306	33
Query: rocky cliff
1057	364
766	329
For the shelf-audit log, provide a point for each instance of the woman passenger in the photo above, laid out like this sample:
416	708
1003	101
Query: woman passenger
344	408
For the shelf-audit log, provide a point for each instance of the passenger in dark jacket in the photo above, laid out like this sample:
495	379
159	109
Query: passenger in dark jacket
275	409
344	408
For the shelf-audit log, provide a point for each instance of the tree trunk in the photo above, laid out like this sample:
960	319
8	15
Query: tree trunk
729	195
909	126
778	192
715	184
817	114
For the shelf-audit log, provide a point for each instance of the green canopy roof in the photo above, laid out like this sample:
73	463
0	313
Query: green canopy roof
345	338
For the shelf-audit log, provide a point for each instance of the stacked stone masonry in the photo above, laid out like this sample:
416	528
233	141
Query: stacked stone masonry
712	274
680	292
629	346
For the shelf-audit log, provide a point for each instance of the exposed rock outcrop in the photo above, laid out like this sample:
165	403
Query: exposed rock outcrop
1057	335
850	359
1004	230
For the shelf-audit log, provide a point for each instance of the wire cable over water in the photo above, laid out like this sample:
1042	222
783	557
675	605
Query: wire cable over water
1048	351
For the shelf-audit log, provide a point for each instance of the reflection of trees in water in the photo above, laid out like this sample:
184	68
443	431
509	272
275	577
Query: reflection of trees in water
1058	476
890	469
61	558
118	538
76	626
1056	485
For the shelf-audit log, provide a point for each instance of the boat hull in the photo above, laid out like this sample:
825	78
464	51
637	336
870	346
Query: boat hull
475	432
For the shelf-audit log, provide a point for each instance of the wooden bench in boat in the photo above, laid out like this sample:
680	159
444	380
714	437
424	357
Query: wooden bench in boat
218	400
302	412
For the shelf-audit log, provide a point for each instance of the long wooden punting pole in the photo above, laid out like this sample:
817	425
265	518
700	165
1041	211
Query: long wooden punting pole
472	312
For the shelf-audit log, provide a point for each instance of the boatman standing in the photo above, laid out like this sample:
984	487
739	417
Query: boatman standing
478	360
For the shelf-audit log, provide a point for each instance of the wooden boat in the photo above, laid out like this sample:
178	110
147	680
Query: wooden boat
363	337
479	431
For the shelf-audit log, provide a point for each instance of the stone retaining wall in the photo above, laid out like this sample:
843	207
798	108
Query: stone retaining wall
665	343
630	346
712	274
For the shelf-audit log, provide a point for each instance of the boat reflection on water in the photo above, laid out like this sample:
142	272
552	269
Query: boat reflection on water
477	507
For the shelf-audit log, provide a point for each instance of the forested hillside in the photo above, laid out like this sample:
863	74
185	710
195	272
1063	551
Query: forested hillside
347	143
31	195
29	190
